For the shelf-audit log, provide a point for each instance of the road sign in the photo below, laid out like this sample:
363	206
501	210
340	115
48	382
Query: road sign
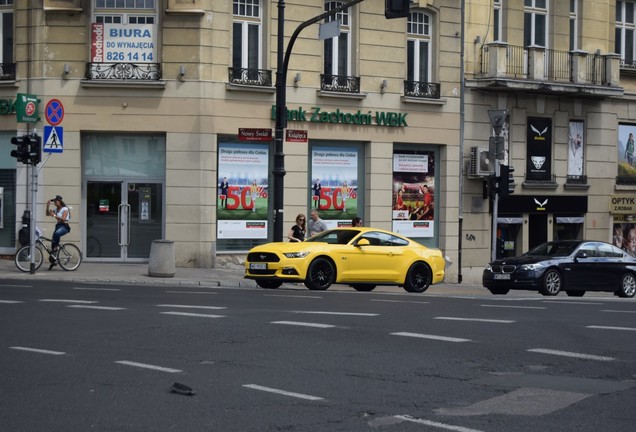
53	139
54	112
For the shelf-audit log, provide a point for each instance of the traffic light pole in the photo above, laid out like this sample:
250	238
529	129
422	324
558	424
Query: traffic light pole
495	214
34	194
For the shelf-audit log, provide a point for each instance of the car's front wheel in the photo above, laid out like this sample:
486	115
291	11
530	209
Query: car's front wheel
418	278
363	287
268	283
320	274
552	282
627	287
498	291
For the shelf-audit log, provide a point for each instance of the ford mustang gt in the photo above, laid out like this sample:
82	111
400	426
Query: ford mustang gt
360	257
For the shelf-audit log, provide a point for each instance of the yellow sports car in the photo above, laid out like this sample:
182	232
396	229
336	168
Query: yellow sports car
360	257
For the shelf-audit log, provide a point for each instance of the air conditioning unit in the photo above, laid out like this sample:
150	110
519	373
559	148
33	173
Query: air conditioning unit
480	165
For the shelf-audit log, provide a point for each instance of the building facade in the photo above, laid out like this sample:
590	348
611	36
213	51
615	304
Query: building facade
157	116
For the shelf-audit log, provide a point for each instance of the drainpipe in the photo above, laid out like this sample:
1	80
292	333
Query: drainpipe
462	90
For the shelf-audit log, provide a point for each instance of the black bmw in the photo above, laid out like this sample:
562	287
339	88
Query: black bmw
573	266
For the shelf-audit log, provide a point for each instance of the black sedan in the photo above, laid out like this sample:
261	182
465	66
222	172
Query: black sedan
573	266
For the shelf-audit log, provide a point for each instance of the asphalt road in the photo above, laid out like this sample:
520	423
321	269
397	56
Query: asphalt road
96	357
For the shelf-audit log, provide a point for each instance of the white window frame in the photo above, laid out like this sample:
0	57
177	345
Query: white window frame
623	26
574	25
6	10
498	20
345	28
246	21
417	37
532	8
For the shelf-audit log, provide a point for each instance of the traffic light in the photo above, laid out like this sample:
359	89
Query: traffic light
21	153
35	149
506	180
396	8
489	187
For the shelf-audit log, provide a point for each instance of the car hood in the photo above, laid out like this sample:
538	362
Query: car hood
283	247
526	259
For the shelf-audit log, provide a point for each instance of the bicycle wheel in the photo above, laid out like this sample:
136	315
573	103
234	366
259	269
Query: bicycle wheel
69	256
23	258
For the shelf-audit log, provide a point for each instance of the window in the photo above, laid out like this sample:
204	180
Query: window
497	20
418	45
246	38
6	29
624	32
535	28
574	25
337	60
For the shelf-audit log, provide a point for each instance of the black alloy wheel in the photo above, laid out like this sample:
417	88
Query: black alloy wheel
320	274
418	278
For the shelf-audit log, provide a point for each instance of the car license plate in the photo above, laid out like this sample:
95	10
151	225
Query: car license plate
258	266
501	276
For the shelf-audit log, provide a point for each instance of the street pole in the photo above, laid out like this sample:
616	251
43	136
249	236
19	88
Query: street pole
495	214
34	193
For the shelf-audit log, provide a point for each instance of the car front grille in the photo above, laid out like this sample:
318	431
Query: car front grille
503	268
262	257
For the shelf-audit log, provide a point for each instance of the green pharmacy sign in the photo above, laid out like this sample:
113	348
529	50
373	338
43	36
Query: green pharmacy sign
26	109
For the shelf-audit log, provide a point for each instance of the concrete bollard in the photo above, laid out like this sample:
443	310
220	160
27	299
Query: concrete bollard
161	263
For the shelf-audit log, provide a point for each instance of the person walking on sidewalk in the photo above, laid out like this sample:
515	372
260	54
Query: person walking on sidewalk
62	215
315	224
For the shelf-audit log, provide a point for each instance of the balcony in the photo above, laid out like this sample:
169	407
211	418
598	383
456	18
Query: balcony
539	181
250	77
133	72
534	69
626	180
339	83
7	71
421	89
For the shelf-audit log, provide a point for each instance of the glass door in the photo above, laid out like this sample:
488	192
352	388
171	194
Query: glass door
122	219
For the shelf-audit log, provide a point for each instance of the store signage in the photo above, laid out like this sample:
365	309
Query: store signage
622	204
26	109
246	134
130	43
7	107
317	115
295	135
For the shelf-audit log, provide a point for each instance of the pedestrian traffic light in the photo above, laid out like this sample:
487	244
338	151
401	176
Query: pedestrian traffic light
35	149
489	187
396	8
21	153
506	180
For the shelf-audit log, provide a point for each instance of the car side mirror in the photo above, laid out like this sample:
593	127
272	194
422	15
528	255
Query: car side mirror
363	242
580	255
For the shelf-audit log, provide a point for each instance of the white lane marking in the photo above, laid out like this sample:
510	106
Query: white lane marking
190	292
37	350
148	366
305	324
336	313
399	301
69	301
435	424
190	306
618	311
11	301
193	314
571	354
611	328
476	320
95	307
582	302
96	289
293	296
513	307
428	336
283	392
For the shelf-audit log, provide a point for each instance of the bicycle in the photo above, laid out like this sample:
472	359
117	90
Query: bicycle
67	255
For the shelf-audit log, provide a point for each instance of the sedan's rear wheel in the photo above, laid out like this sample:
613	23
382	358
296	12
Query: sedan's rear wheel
627	288
418	278
320	274
499	291
363	287
575	293
552	282
268	283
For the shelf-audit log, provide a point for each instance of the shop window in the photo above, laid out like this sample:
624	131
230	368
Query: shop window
568	228
509	236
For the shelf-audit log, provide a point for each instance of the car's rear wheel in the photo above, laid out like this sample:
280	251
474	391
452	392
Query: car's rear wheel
418	278
575	293
499	291
320	274
363	287
627	287
552	282
268	283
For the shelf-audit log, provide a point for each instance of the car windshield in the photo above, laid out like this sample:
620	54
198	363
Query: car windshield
336	236
554	249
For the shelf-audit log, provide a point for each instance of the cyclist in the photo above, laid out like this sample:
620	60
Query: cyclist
62	215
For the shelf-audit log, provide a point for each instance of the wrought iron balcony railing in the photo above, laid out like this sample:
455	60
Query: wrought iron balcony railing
7	71
339	83
253	77
576	179
123	71
626	180
540	178
422	89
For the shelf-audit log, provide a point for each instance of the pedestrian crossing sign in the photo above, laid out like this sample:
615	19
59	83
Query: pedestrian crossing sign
53	139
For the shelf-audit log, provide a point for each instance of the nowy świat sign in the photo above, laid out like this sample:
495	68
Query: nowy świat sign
317	115
127	43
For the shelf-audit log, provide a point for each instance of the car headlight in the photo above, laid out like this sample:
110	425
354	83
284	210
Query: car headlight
488	267
296	254
535	266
